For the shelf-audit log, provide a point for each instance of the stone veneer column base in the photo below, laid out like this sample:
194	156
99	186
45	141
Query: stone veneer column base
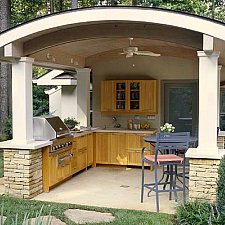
203	179
23	172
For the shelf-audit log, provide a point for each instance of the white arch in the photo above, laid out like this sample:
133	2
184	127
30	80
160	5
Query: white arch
95	15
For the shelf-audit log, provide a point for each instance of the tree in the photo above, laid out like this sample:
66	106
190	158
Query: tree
5	69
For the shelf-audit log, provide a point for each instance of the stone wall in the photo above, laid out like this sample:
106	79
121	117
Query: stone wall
23	172
203	179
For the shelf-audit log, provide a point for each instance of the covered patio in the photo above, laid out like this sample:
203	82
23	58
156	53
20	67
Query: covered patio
191	48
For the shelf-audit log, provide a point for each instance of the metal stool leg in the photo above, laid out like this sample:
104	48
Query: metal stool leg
142	179
184	186
174	183
156	188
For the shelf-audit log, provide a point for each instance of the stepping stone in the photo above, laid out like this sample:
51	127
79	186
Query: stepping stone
54	221
3	219
85	216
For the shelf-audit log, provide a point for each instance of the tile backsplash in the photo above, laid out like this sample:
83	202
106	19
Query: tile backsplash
102	120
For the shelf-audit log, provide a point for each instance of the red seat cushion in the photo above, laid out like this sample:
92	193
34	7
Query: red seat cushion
164	158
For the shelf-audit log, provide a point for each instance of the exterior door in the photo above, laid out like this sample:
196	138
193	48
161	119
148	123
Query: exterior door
181	106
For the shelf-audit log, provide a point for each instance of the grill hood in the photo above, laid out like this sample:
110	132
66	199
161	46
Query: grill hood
49	128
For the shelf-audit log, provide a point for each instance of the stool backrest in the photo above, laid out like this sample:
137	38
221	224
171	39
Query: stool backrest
171	142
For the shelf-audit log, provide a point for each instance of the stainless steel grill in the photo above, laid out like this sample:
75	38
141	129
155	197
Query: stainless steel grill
49	128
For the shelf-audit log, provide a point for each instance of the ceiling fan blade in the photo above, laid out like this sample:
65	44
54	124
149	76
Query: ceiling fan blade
147	53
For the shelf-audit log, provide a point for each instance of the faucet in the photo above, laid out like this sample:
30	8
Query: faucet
116	124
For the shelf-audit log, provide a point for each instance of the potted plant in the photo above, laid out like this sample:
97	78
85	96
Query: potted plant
71	122
167	128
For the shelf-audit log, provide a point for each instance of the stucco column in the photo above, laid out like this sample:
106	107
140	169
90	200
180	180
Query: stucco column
83	96
22	101
208	94
218	97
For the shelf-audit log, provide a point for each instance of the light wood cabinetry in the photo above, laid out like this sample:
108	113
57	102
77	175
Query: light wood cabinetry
107	96
135	143
90	154
54	169
118	153
74	167
81	143
148	96
129	96
103	148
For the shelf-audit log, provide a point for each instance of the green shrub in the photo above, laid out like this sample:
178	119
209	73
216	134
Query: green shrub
221	187
198	213
8	127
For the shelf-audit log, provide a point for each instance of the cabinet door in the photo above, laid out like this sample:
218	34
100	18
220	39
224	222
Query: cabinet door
82	159
121	92
81	142
102	148
134	95
53	176
135	143
107	96
148	96
118	153
74	168
90	149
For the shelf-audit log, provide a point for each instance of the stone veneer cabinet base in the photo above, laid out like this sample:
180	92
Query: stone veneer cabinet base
203	179
23	172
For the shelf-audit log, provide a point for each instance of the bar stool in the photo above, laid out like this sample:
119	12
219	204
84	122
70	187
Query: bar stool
166	146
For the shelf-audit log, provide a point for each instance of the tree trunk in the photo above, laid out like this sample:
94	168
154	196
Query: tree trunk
5	94
51	6
60	5
74	4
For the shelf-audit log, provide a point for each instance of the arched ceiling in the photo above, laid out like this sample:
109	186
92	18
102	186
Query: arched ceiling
101	34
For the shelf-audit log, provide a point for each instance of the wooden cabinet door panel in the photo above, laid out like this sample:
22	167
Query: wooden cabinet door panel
148	96
90	149
118	153
82	159
53	170
102	148
107	96
81	142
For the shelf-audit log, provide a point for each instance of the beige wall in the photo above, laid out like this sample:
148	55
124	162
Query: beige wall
139	67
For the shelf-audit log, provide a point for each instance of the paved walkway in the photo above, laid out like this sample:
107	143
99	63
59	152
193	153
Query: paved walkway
114	187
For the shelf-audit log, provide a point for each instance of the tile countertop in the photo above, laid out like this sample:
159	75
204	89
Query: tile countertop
114	130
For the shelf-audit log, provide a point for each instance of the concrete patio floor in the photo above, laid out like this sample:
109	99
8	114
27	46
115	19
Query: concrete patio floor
113	187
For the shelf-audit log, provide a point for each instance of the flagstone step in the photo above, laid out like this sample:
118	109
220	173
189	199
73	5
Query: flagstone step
86	216
44	219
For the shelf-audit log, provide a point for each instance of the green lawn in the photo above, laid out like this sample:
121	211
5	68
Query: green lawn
128	217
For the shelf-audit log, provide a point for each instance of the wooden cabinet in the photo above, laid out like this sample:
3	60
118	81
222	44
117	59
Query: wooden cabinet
56	167
103	148
148	96
74	167
135	143
107	96
118	153
129	96
90	154
81	143
82	159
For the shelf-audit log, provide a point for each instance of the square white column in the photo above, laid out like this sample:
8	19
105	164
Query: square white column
83	96
208	107
22	101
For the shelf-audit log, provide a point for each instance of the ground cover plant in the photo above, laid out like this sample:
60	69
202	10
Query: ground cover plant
12	206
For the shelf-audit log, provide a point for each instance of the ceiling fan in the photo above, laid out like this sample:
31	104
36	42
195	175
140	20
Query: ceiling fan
130	51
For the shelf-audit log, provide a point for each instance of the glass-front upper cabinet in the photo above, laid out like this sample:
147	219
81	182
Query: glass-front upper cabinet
121	95
134	98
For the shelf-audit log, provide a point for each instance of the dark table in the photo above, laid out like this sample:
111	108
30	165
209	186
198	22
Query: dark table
152	140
